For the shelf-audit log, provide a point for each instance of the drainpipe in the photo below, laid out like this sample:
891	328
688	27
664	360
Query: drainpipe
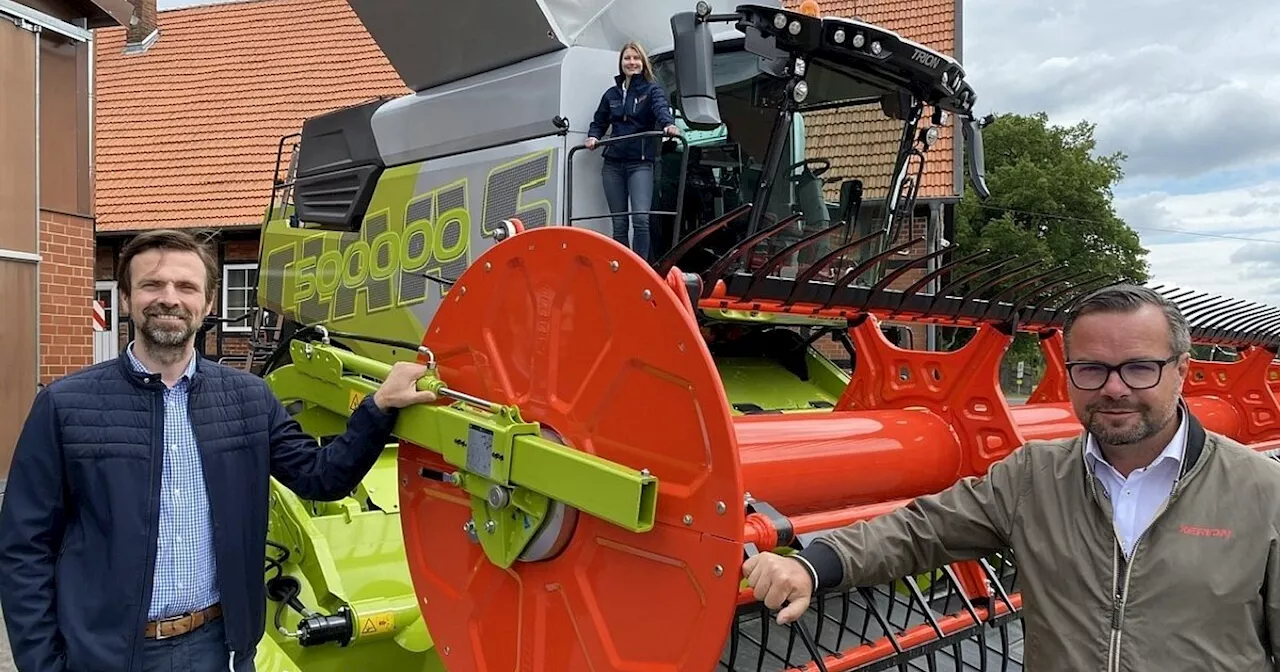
932	237
40	261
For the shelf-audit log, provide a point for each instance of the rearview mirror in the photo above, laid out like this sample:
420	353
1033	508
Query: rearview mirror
977	160
694	52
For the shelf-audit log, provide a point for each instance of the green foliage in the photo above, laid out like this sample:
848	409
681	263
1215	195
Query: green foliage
1051	200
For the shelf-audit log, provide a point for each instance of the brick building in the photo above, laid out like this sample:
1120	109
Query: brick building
46	205
189	121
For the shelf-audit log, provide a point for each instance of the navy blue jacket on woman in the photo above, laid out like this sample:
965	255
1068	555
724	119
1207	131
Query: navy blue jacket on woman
80	513
642	107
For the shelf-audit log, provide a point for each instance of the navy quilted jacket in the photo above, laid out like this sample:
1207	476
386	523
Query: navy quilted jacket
82	506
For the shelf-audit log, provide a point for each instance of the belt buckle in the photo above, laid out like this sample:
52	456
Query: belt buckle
173	619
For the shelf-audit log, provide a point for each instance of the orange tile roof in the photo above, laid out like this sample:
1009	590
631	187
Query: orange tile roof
186	132
861	142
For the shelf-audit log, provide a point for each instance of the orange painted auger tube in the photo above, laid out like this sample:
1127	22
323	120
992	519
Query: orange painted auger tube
607	356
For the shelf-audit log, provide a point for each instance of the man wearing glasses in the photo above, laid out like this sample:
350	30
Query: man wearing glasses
1144	543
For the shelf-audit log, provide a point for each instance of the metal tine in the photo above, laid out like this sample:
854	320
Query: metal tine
676	253
996	584
735	630
888	278
938	272
1254	329
924	608
718	269
976	293
969	276
973	613
1226	317
864	266
764	636
1009	291
1245	324
884	625
1082	291
1070	289
1175	294
798	626
1243	332
1022	299
809	273
777	259
1198	305
1265	330
1222	328
1189	302
963	279
1214	314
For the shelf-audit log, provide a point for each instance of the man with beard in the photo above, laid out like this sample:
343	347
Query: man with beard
133	531
1144	543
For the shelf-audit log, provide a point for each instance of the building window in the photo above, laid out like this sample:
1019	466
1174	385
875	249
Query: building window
239	288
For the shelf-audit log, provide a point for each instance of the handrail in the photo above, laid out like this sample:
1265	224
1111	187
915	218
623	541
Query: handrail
684	167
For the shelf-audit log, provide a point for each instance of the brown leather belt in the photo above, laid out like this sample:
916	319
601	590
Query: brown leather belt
181	625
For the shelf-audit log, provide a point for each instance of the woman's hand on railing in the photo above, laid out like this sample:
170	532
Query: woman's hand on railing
591	143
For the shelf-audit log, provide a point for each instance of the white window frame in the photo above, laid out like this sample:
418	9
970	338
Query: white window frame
239	327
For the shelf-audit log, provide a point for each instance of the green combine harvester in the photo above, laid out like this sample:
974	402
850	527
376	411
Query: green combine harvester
617	434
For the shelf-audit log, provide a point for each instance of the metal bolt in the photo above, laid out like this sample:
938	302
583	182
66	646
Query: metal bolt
721	508
498	497
469	528
490	527
719	570
647	295
645	472
446	650
613	265
488	267
463	290
688	519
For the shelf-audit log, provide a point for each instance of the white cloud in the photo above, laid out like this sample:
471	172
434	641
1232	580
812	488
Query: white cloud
1180	86
1224	241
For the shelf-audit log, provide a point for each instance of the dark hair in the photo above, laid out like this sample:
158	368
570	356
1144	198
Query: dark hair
1127	298
167	239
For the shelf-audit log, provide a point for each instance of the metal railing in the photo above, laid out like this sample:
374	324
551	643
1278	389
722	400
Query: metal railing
684	168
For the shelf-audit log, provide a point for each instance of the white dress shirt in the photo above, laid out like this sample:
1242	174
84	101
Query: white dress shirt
1136	499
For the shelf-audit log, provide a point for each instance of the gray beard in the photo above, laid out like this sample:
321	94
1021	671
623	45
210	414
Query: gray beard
166	345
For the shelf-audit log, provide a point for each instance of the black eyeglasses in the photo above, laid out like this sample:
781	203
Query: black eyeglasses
1138	374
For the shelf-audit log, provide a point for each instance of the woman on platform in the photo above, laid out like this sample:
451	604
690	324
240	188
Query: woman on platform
634	104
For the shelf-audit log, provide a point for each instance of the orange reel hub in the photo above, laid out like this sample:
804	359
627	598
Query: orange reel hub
586	340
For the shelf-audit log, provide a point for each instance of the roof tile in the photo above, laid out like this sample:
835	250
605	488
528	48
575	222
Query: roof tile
860	142
186	133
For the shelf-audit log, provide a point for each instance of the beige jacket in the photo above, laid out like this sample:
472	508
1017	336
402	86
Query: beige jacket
1200	592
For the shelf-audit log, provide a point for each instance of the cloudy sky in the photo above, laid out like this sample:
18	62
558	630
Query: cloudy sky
1182	88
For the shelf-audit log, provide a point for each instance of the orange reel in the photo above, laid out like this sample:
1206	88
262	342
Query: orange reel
588	341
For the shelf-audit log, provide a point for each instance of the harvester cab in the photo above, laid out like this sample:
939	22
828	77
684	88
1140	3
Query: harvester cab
750	100
615	434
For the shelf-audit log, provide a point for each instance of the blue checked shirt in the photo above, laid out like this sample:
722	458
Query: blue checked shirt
185	579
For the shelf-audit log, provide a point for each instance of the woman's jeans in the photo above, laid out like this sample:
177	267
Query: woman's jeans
635	179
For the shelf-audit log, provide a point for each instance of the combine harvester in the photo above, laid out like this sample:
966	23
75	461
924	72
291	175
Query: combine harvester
616	436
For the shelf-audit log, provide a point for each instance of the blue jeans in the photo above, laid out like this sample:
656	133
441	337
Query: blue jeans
634	179
201	650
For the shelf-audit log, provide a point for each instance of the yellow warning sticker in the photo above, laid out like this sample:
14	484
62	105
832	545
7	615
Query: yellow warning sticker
353	400
377	624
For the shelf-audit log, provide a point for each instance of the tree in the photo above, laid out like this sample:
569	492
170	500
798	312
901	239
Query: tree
1051	200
